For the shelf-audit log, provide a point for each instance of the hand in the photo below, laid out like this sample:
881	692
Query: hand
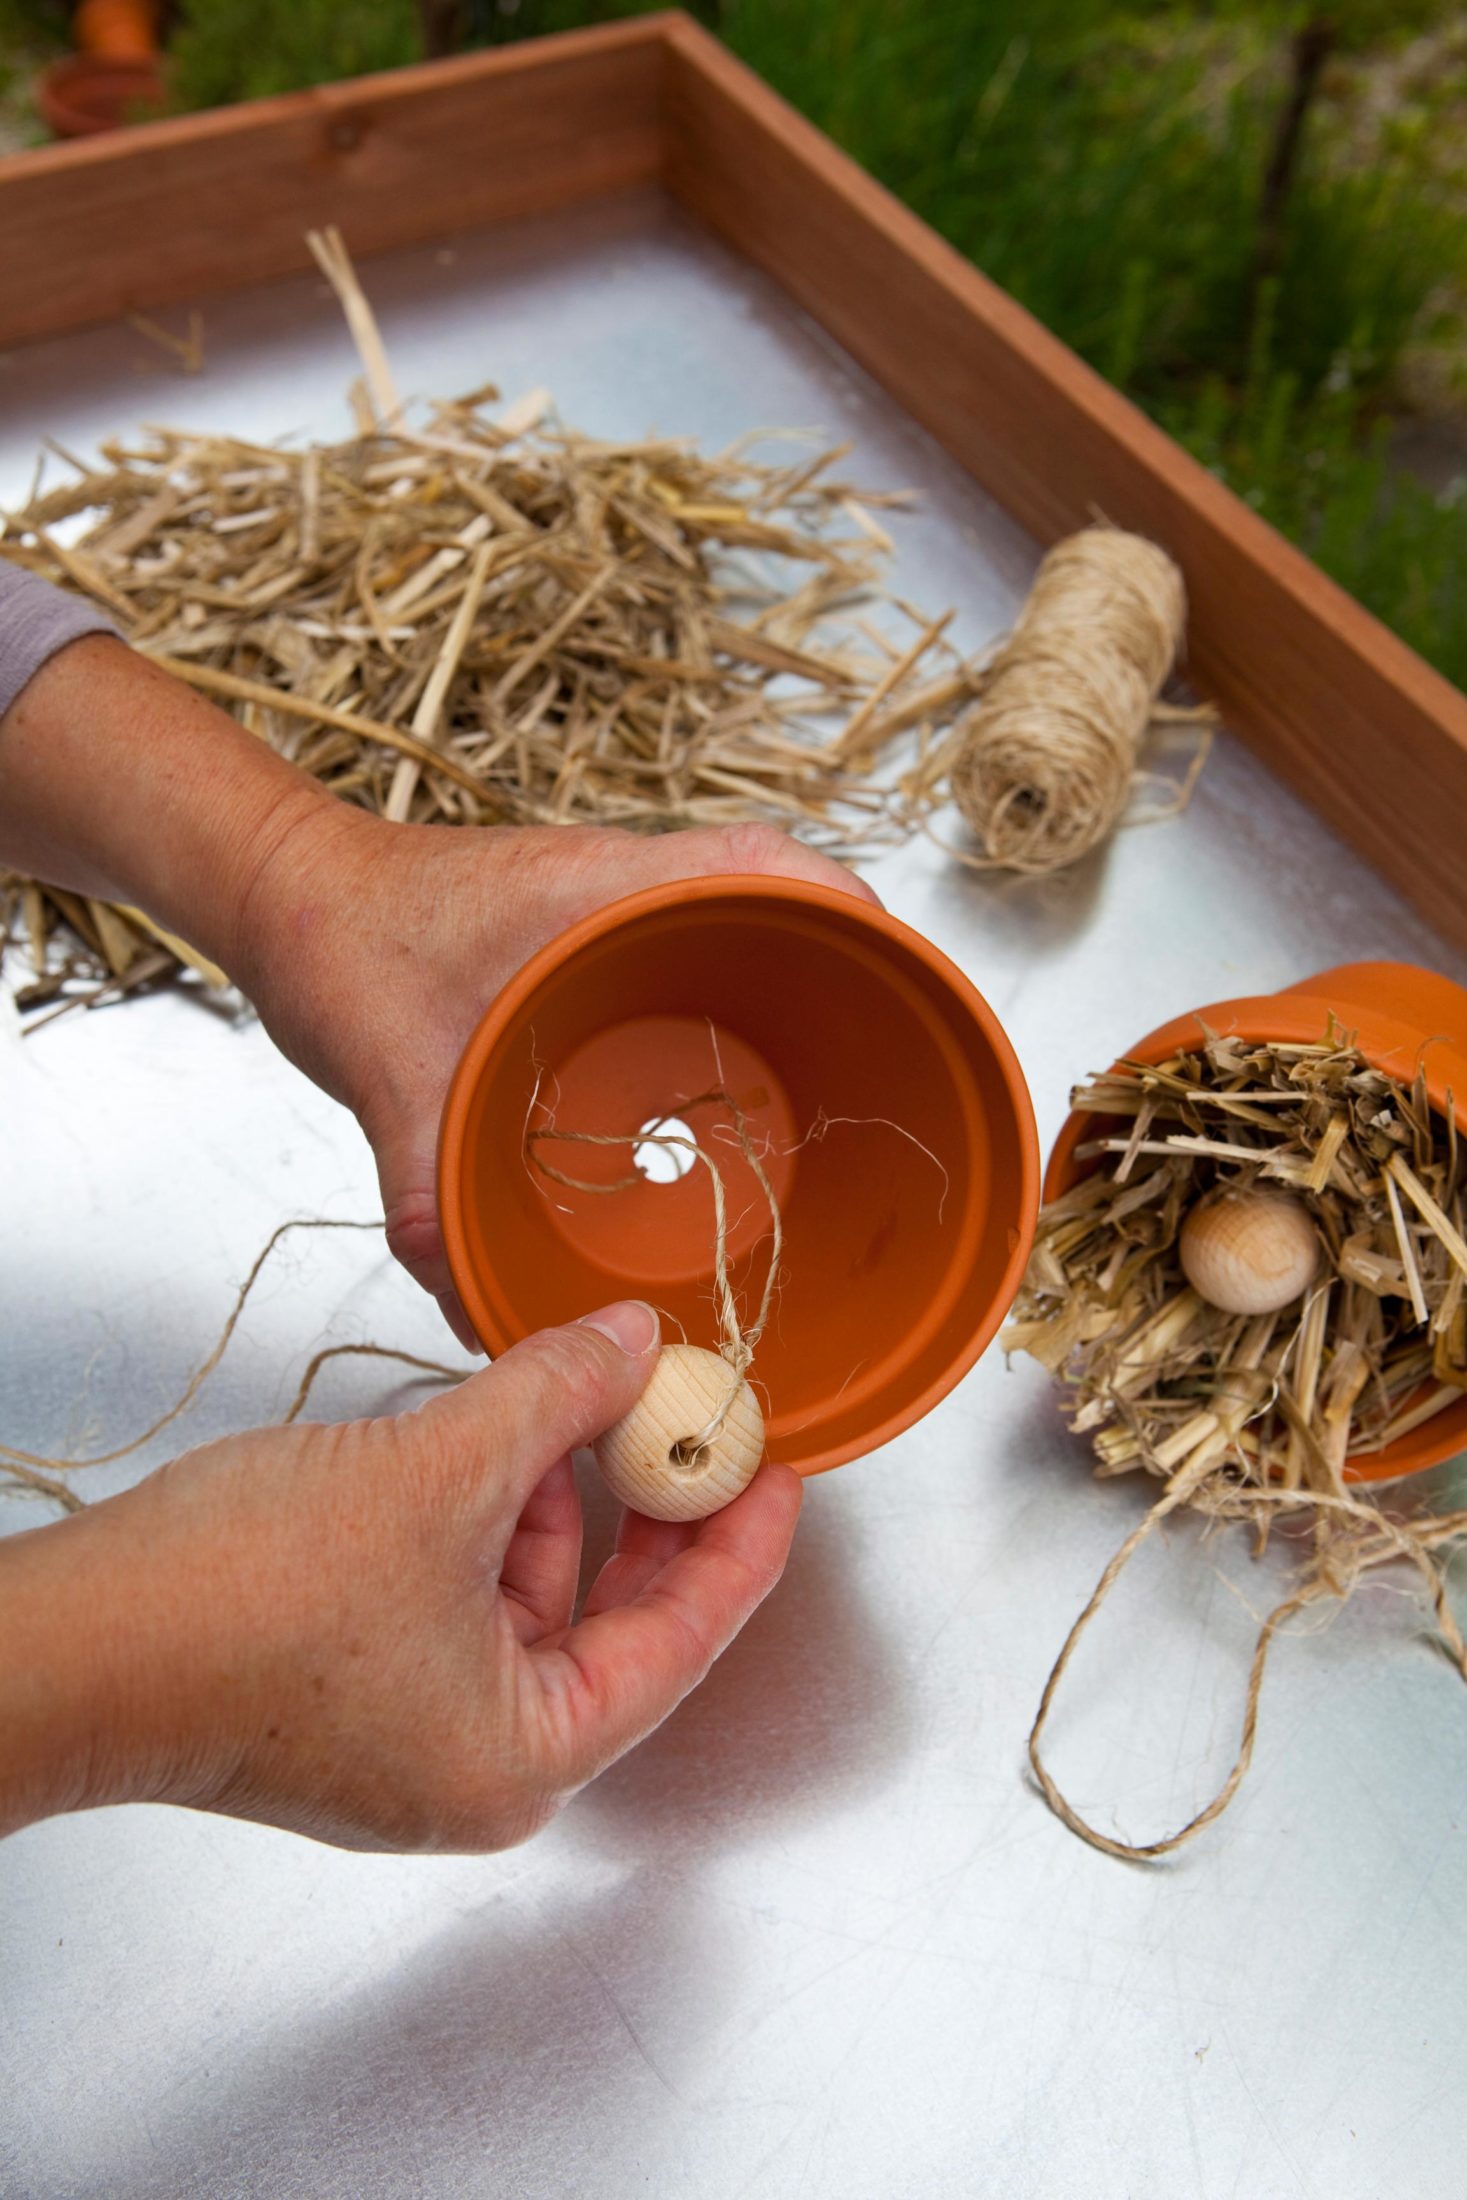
364	1632
371	950
374	949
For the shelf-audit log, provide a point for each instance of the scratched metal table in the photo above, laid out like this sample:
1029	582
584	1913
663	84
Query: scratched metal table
818	1936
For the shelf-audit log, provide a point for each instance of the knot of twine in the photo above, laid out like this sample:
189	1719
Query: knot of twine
1042	766
738	1339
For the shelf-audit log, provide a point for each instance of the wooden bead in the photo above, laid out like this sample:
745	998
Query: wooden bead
639	1456
1249	1252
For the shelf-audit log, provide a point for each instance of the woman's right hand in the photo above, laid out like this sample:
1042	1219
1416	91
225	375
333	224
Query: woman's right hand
365	1632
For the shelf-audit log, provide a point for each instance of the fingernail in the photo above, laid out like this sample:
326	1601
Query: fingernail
631	1323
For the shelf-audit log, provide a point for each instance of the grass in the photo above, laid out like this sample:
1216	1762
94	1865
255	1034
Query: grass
1106	164
229	52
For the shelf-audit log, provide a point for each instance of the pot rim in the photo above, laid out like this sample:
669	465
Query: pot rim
1297	1016
762	887
63	85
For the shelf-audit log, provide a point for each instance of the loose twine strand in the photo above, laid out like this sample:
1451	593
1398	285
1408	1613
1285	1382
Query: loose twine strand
41	1472
739	1339
1340	1561
37	1471
1042	768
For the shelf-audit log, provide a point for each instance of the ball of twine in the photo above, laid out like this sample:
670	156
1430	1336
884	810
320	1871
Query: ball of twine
1043	764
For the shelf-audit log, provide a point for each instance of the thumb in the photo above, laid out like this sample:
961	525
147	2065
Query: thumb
548	1394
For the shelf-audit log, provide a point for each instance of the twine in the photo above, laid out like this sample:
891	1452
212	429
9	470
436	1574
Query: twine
1042	767
1244	1418
1341	1558
38	1471
739	1339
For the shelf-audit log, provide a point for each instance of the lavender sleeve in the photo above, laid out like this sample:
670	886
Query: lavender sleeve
35	621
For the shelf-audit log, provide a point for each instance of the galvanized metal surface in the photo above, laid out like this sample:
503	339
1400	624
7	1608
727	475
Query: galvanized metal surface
818	1936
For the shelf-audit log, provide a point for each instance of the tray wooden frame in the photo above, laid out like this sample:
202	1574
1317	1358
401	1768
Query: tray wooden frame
1341	709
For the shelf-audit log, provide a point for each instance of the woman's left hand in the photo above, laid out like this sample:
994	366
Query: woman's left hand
372	950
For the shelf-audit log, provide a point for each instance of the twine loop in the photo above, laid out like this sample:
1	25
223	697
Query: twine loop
1352	1537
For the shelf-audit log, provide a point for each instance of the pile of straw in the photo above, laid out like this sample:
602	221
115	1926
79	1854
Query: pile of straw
490	619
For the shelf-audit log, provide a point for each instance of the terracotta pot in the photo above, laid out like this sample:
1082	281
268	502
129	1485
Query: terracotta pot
127	30
893	1282
84	94
1400	1016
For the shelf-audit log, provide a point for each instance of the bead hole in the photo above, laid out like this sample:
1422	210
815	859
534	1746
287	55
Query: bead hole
688	1454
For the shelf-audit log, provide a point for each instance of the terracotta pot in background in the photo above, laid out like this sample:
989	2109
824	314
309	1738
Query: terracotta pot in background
126	30
1401	1016
86	93
893	1282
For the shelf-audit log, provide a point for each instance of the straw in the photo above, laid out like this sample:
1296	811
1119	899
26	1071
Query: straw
1244	1418
490	618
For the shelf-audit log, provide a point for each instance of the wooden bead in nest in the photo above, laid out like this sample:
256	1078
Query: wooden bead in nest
1265	1276
1249	1252
653	1459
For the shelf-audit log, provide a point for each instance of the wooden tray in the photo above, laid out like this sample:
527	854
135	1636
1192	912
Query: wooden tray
1337	705
814	1937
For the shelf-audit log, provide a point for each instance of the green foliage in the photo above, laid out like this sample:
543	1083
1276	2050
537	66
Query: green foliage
498	22
224	50
1322	477
27	23
1105	164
